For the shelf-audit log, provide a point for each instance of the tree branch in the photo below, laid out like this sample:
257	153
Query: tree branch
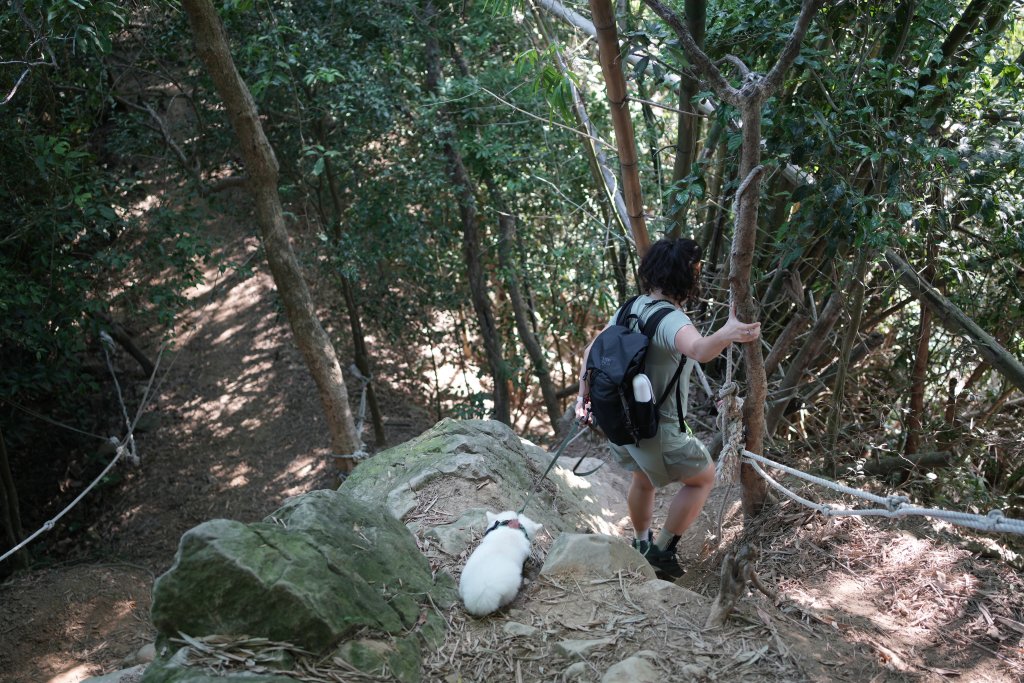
774	78
704	65
956	320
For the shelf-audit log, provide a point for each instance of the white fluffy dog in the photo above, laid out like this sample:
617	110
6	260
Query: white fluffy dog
494	572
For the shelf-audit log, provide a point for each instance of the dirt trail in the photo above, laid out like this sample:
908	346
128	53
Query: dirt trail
238	431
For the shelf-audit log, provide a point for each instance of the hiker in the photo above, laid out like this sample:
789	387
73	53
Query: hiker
670	271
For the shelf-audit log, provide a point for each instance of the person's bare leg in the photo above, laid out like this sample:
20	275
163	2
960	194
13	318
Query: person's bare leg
640	502
689	501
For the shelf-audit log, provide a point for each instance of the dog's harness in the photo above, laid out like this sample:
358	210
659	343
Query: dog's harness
511	524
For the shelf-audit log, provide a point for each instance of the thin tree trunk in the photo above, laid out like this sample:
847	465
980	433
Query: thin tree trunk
261	165
839	389
748	100
611	66
507	225
784	342
9	507
362	360
472	248
907	462
858	353
807	354
713	196
918	376
955	320
689	121
592	144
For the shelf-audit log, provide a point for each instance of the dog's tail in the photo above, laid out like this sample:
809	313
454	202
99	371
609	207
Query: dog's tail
482	600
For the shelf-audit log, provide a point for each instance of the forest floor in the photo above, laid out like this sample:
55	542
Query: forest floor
238	431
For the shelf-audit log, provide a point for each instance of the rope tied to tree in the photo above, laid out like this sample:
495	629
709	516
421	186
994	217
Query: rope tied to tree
361	453
365	382
730	423
122	447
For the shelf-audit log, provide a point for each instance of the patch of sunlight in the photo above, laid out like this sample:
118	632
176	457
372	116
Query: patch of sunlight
905	550
601	525
301	471
571	479
608	512
304	465
148	204
74	675
236	476
123	608
227	334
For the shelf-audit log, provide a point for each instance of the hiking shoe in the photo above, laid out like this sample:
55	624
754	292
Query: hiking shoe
664	561
643	546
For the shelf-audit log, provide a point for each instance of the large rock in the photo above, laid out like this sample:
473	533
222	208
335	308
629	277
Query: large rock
312	574
498	470
594	554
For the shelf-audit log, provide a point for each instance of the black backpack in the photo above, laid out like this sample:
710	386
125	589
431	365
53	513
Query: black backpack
616	359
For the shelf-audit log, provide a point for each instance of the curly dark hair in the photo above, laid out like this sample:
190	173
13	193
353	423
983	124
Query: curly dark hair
669	265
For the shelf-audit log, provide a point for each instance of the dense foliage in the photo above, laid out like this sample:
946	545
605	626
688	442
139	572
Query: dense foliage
903	120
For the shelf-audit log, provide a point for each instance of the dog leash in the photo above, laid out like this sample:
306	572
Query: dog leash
573	434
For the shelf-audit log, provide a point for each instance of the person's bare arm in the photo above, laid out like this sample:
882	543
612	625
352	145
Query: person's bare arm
703	349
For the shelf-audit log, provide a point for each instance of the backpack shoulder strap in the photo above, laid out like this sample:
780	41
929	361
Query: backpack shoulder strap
651	326
624	314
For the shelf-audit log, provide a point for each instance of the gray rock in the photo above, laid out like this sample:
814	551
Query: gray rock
455	538
575	671
580	648
514	628
144	655
477	451
633	669
129	675
594	554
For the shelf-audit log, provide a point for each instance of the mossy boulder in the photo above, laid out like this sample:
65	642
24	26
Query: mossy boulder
314	573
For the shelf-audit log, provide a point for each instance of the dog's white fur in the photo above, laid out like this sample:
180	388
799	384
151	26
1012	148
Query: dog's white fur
494	572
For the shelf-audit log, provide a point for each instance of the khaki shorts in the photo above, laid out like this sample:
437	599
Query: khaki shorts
668	456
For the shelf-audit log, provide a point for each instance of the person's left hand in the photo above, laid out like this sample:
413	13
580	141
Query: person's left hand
740	332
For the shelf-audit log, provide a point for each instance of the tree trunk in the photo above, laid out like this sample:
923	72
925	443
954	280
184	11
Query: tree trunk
784	342
748	99
9	507
472	249
362	360
955	320
592	145
261	165
611	66
688	123
918	377
909	461
808	353
839	389
507	224
361	354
